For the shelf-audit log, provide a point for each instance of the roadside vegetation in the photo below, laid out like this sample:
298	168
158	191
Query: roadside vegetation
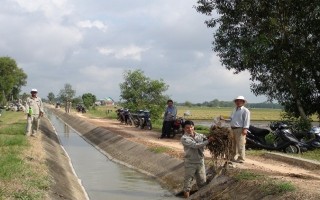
22	170
266	185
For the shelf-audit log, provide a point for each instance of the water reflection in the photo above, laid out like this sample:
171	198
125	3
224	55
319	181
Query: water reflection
102	178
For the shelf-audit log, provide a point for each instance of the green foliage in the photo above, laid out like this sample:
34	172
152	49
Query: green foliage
140	92
11	80
51	97
67	93
88	100
277	42
297	124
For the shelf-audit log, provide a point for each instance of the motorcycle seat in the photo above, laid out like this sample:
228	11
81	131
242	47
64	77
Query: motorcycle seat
260	132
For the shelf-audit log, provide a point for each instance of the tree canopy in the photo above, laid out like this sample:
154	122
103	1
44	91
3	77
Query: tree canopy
278	42
51	97
11	80
88	99
67	93
140	92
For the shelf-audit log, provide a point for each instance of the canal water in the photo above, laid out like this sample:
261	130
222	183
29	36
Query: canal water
102	178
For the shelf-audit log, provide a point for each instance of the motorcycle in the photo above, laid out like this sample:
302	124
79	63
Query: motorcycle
177	127
136	118
311	138
145	120
81	108
284	139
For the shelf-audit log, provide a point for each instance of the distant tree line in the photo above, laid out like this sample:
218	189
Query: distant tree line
217	103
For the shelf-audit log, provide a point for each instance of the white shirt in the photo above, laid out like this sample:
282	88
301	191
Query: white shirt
240	117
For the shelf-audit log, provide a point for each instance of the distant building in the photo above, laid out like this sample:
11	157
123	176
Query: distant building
109	101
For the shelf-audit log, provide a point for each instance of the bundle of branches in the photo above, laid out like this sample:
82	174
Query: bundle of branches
221	148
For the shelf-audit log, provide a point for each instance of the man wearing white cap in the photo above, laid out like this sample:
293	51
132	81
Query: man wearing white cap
34	109
240	122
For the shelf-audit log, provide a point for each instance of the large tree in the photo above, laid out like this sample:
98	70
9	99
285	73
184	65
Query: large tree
51	97
88	100
140	92
67	93
277	41
12	78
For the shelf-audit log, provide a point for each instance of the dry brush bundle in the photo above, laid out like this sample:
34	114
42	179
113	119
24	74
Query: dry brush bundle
221	147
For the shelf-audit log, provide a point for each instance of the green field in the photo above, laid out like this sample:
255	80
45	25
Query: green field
208	113
202	113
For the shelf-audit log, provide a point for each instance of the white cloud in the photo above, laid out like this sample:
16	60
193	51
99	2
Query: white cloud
93	24
52	9
130	52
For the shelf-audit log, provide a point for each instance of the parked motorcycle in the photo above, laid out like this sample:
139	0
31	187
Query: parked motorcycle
136	118
284	139
145	120
81	108
311	138
177	127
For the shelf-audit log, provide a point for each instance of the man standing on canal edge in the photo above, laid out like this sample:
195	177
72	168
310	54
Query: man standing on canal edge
170	115
193	144
240	122
34	109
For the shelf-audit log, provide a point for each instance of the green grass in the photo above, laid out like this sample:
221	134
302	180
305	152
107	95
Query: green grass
208	113
312	155
246	175
272	187
159	149
102	112
266	185
18	179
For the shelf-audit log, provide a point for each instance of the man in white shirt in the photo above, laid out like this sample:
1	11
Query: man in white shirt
240	122
34	110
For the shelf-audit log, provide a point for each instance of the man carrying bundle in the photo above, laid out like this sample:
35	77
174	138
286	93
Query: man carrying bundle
193	144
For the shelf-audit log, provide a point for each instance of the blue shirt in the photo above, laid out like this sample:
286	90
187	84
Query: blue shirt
170	113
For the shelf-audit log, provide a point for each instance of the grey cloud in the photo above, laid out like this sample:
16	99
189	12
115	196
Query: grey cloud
166	39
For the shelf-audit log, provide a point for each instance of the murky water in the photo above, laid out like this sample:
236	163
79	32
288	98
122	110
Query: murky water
102	178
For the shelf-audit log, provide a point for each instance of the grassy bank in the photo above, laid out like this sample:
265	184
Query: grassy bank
22	169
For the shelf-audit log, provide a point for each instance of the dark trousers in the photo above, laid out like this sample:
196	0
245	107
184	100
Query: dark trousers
166	128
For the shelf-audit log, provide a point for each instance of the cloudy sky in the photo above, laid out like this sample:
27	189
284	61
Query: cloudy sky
90	43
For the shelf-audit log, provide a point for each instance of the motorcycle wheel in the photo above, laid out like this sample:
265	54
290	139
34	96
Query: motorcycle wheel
293	149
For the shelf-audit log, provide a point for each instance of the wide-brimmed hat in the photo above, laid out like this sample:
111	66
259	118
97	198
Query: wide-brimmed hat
240	98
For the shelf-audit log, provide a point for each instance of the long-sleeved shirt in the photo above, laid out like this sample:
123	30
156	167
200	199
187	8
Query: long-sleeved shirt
240	117
170	113
194	147
35	104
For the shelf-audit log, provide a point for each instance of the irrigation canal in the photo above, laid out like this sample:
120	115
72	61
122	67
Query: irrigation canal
102	178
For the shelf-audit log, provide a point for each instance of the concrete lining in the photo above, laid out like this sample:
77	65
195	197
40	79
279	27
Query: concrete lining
167	170
306	164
